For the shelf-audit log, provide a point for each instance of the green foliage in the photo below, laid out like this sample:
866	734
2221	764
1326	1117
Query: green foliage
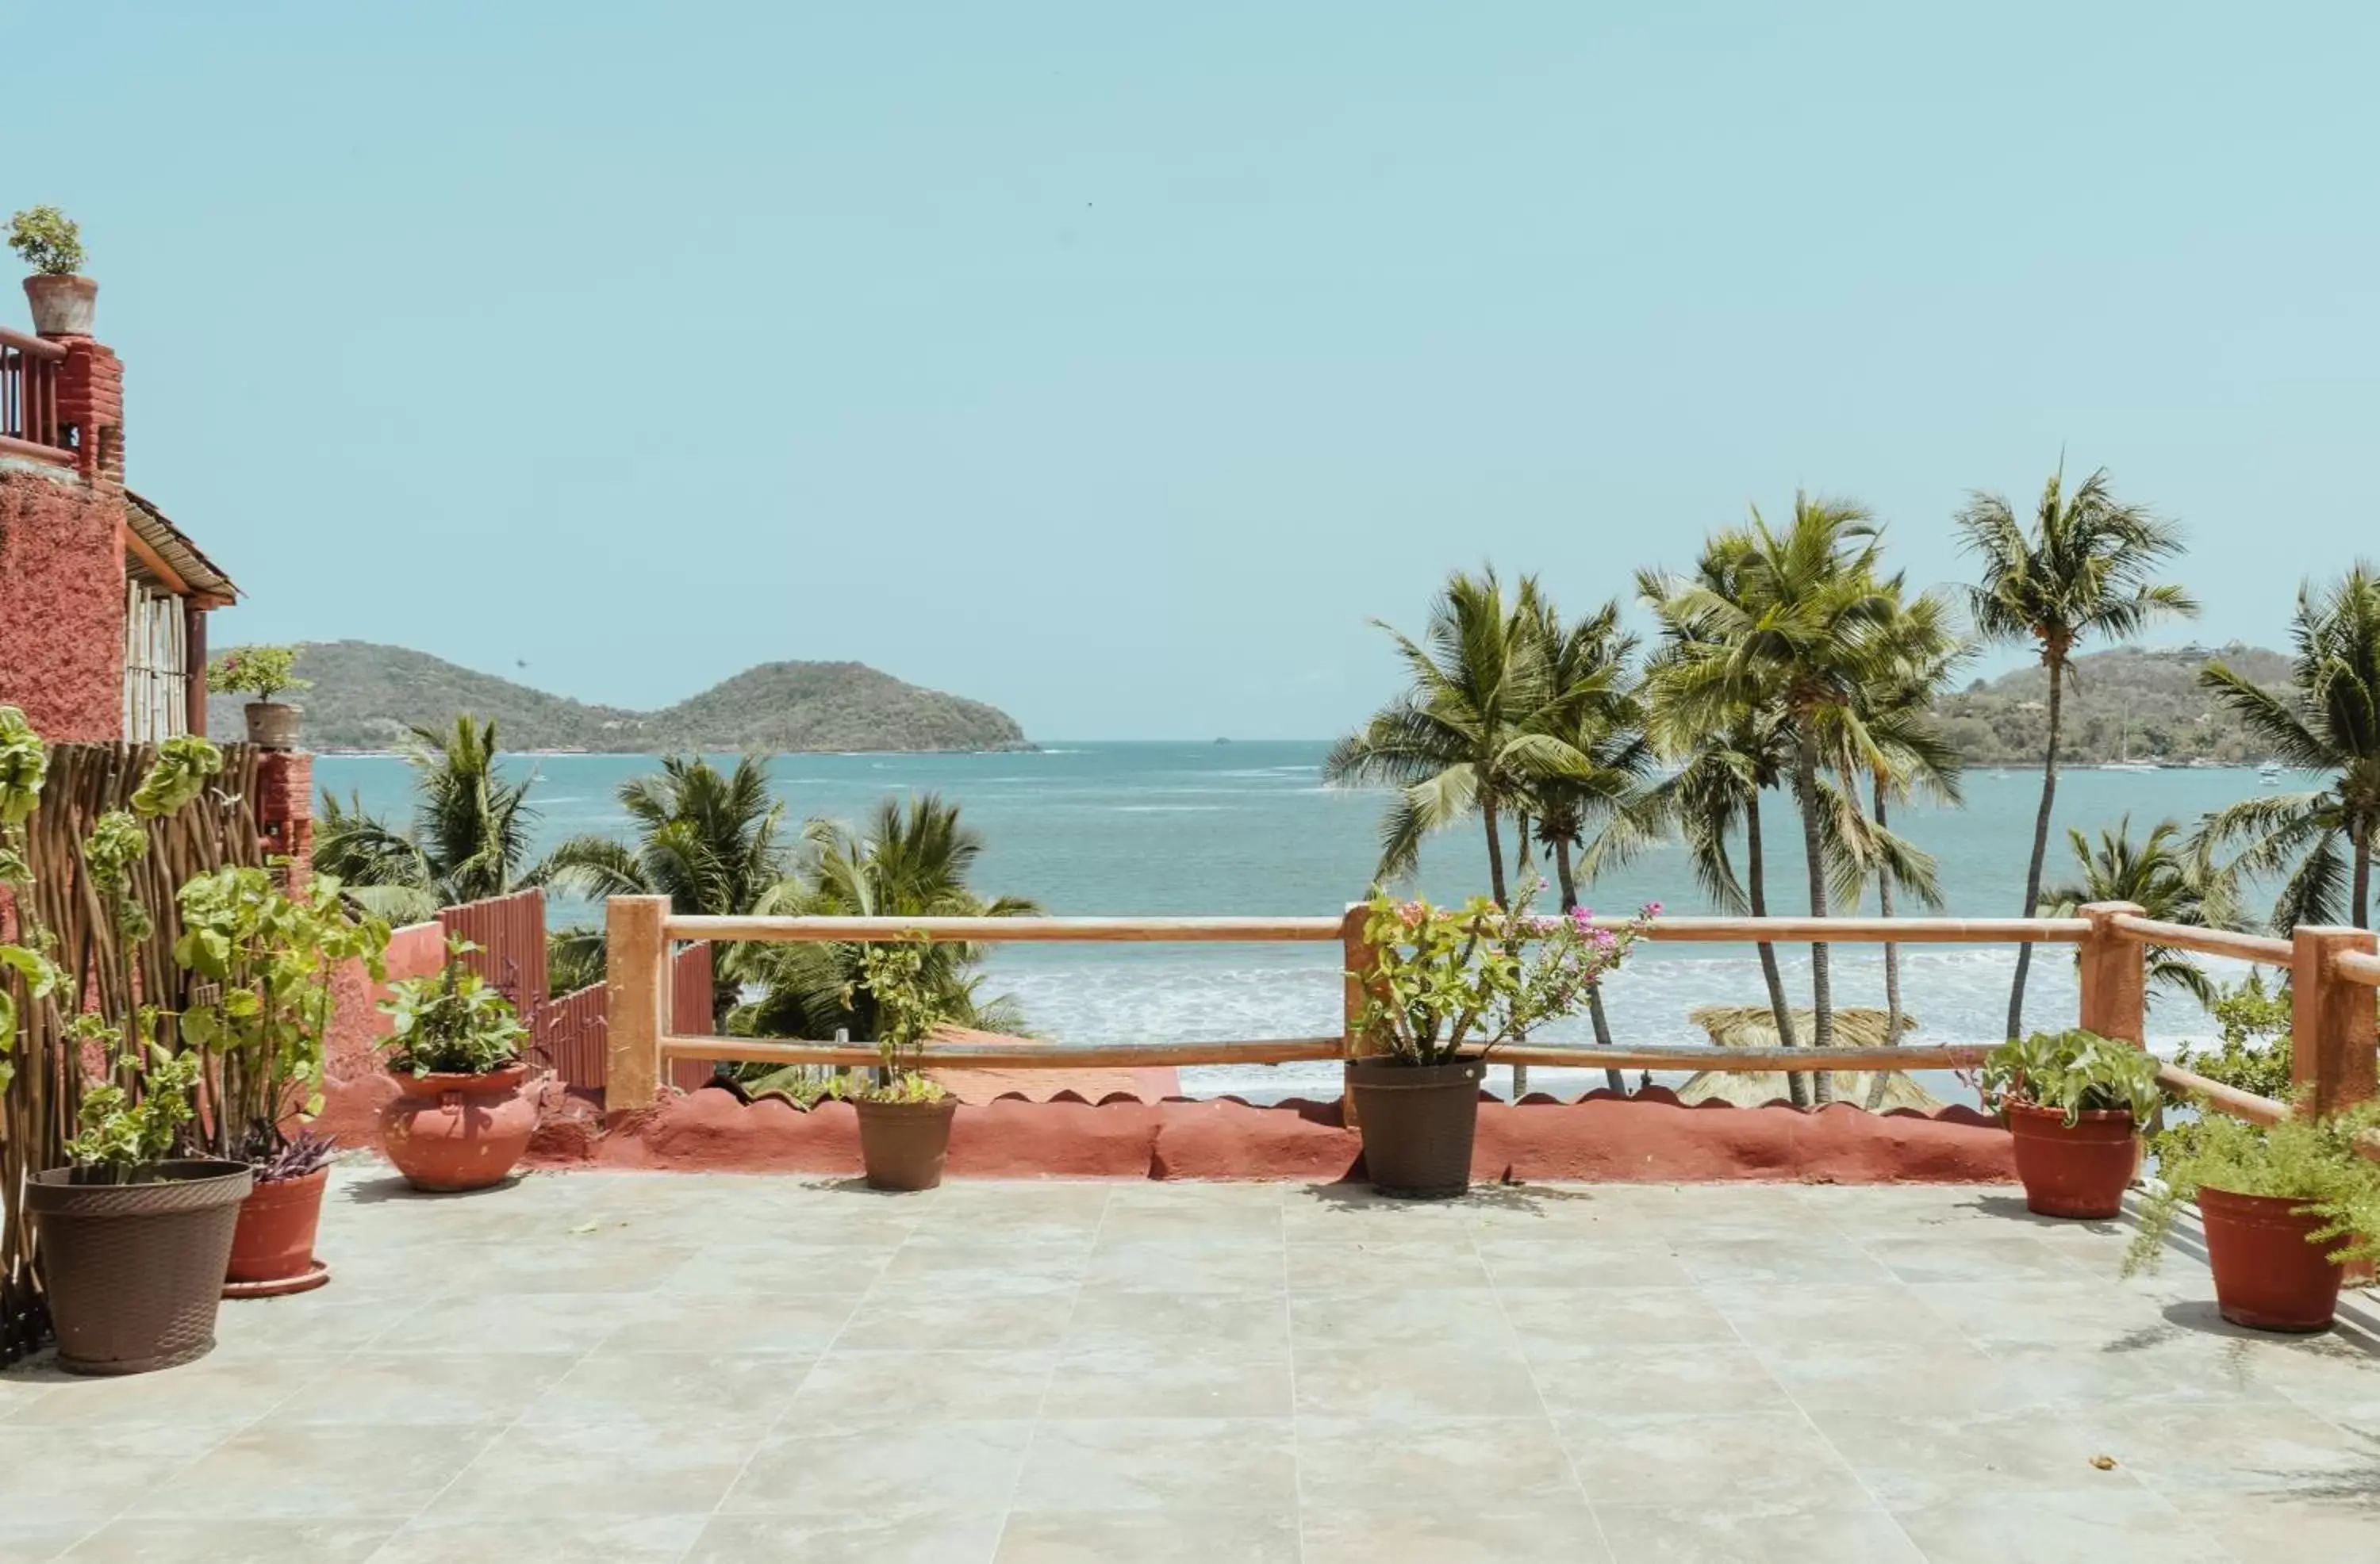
2123	700
48	240
262	671
2311	1161
41	976
453	1023
116	841
1441	978
909	1005
2074	1071
574	959
176	777
2255	1052
468	840
134	1120
270	961
2165	881
24	762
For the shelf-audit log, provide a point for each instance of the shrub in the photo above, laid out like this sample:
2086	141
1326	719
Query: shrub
908	1010
2254	1054
2076	1071
453	1023
48	240
2311	1161
262	671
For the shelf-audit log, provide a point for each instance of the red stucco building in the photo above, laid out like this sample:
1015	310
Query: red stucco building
103	602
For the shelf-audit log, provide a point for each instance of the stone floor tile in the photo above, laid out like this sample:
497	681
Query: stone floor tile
644	1395
864	1380
2059	1528
1765	1313
1352	1213
1393	1316
216	1392
313	1472
1912	1459
187	1541
1558	1531
2334	1524
37	1538
847	1536
505	1322
1854	1373
374	1386
548	1539
1215	1263
1814	1256
892	1471
1200	1535
766	1269
1720	1532
1346	1464
1559	1315
1580	1377
963	1264
1020	1313
1169	1379
1971	1256
587	1471
1763	1459
1159	1463
1447	1378
2250	1448
796	1324
1532	1263
1256	1324
1411	1263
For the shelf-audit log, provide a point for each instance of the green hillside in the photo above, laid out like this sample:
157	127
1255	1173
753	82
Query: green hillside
367	695
2128	699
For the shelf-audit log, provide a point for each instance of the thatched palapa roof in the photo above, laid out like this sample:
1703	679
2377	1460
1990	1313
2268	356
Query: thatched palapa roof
1755	1026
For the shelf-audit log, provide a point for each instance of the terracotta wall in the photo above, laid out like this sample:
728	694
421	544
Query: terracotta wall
61	602
354	1087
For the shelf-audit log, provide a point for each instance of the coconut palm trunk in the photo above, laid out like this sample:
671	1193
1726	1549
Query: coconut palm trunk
1568	883
1813	848
1880	1079
1495	849
2362	876
1755	891
2057	666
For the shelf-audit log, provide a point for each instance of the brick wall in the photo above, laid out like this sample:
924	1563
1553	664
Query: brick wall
62	564
284	805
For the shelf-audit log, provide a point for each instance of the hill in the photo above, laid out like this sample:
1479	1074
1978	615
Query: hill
2127	699
366	696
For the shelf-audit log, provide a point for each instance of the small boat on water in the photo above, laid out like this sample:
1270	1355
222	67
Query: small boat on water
2270	773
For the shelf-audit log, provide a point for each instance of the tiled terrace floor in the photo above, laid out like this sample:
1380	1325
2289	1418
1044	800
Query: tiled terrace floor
679	1368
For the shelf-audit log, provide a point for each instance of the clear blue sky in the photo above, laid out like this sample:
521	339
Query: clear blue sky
1114	363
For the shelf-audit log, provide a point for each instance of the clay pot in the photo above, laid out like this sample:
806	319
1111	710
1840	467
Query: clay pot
2081	1170
62	306
273	724
904	1145
451	1133
1417	1122
133	1272
275	1240
2266	1274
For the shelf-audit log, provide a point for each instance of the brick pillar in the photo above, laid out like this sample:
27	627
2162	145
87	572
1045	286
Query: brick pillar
285	808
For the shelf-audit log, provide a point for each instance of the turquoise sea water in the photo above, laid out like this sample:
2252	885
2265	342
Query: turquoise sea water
1248	827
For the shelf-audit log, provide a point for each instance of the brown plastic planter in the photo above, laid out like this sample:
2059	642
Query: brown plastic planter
134	1271
2266	1274
452	1132
904	1145
273	1248
1417	1122
2081	1170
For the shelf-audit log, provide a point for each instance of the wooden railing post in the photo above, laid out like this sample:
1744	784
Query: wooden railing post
637	1000
2115	976
1357	958
2330	1018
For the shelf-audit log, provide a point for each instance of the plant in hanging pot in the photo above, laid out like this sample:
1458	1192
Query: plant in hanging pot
264	673
2284	1208
269	961
461	1120
1443	988
905	1119
48	240
2075	1103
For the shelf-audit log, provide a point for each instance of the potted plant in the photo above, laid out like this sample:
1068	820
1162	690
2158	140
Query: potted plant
48	241
262	671
270	961
460	1120
2075	1103
2284	1208
905	1119
1443	988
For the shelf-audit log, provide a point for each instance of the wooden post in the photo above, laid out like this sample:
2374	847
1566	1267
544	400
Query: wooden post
635	999
2330	1019
2115	974
1357	958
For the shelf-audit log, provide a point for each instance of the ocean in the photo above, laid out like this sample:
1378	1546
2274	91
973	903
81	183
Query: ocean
1248	827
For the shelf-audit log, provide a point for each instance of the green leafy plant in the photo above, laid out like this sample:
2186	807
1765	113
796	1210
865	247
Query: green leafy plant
176	777
48	240
2254	1053
1444	980
24	762
134	1120
456	1022
2313	1161
262	671
270	960
2075	1070
908	1007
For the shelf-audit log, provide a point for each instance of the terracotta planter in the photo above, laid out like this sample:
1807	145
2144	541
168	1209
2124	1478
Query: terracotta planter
904	1145
62	306
273	724
275	1240
2266	1274
134	1271
2077	1170
450	1133
1417	1122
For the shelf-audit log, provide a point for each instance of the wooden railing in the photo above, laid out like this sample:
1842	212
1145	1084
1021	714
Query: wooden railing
29	425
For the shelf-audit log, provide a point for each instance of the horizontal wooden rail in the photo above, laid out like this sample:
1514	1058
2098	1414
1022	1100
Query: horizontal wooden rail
2228	1099
2357	968
2204	941
1738	1062
1194	930
1008	1056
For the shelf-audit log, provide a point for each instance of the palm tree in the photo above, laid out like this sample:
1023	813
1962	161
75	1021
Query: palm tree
1792	617
914	860
470	836
2329	721
2170	883
2084	569
707	839
1478	726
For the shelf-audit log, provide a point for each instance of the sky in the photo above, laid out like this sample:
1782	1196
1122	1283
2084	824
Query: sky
1118	364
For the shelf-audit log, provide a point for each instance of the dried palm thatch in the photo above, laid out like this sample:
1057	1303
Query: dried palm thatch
1755	1026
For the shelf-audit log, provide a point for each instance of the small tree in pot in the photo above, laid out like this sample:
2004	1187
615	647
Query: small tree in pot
905	1119
460	1122
2075	1103
2284	1208
62	301
264	673
270	960
1443	988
